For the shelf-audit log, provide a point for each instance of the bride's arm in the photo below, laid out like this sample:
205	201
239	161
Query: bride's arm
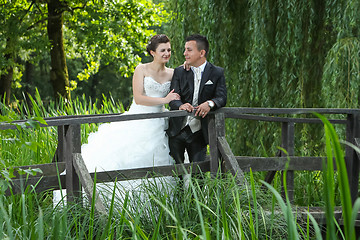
138	90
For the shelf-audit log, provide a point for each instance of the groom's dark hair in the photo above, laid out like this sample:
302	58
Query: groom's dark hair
201	42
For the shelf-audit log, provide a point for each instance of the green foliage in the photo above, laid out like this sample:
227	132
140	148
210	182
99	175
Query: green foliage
222	209
276	54
334	149
37	145
162	215
96	33
21	36
113	32
349	211
342	72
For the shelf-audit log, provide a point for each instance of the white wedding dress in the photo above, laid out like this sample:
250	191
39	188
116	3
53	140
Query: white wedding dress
129	145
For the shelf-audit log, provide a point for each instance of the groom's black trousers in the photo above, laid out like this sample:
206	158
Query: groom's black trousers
194	143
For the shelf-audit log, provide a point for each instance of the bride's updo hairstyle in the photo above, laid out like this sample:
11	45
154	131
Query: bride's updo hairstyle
155	41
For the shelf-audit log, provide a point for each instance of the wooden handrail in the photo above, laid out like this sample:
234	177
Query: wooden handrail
84	119
69	142
276	111
242	113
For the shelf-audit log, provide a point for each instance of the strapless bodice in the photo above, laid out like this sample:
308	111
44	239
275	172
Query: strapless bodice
152	88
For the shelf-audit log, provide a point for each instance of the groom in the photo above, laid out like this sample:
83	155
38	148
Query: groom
202	89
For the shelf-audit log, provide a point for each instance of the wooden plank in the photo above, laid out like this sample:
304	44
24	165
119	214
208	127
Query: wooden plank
73	187
87	182
270	175
159	171
287	143
220	132
245	110
220	124
45	183
48	169
357	143
351	158
60	149
82	119
41	184
216	129
301	213
281	119
317	212
230	161
213	149
260	164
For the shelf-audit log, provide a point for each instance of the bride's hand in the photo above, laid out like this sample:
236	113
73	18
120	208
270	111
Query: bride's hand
186	66
172	96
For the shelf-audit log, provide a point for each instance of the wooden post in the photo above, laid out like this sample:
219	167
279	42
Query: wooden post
271	174
72	145
229	161
216	128
59	154
288	142
88	183
351	158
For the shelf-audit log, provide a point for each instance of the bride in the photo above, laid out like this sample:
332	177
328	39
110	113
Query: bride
136	143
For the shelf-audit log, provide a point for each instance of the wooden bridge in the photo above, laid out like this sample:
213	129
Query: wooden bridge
68	153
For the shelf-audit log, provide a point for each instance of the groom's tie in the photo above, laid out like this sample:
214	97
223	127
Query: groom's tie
194	123
197	79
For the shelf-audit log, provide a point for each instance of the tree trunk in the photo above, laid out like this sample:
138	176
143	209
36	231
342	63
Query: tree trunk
58	73
28	77
6	78
5	85
28	80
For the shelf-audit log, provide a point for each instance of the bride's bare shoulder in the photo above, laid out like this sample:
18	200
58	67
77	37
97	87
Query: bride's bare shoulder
170	71
141	66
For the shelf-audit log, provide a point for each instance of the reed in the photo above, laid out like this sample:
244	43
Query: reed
208	207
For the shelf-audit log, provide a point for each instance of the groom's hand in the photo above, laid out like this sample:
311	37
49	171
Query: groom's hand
202	110
187	107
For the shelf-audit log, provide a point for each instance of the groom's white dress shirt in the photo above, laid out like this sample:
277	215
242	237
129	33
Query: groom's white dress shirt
194	122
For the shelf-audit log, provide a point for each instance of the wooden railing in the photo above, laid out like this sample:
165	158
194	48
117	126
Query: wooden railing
68	153
273	164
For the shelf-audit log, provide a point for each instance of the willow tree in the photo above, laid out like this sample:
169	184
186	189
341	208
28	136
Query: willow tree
341	78
277	54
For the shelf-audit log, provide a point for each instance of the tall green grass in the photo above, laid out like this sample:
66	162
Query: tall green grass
36	146
209	208
333	148
349	211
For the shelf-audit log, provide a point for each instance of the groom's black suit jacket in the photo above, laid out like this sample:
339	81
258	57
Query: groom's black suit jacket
212	87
